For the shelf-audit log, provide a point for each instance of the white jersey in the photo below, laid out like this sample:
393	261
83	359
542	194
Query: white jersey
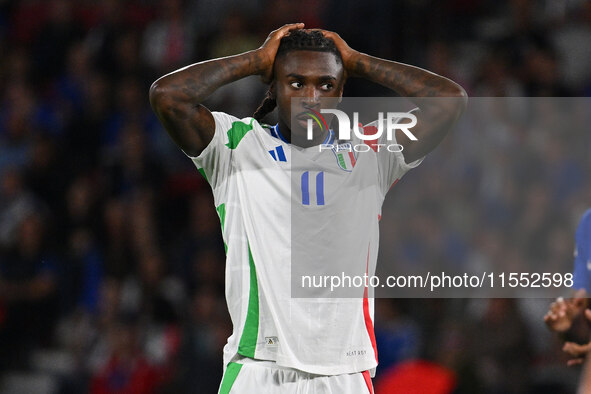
281	205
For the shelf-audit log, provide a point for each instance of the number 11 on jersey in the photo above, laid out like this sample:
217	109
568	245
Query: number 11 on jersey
319	186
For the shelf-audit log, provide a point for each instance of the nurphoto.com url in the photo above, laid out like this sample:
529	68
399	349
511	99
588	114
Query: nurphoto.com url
432	282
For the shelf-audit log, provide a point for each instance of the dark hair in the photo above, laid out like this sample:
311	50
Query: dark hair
297	40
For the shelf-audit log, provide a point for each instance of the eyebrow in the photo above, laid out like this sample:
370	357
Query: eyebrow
322	77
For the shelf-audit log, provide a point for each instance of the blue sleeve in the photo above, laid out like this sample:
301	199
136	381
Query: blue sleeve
582	247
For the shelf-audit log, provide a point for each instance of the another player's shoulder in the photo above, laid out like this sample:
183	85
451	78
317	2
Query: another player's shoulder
583	237
585	223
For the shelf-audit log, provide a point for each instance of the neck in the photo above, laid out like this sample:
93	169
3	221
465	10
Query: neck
318	139
285	130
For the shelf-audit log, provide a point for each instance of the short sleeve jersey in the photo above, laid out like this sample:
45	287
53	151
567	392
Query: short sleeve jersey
282	206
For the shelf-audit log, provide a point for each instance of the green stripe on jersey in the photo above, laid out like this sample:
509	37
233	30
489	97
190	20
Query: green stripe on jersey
222	214
237	132
229	377
202	172
248	340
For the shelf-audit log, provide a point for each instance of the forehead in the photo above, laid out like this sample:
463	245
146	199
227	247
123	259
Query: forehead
308	64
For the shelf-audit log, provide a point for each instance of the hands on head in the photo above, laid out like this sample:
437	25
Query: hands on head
269	49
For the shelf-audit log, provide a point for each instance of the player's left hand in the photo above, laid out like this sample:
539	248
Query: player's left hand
348	54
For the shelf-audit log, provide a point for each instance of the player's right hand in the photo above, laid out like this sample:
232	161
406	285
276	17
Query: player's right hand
561	314
269	48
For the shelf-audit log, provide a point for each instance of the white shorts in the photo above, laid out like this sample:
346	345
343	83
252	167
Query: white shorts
247	376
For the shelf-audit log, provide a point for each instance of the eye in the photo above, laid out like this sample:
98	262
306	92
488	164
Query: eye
326	86
296	84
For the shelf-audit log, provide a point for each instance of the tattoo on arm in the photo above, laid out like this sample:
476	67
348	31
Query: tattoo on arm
422	87
408	81
177	97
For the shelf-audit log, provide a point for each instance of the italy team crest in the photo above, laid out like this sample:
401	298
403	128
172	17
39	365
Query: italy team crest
345	155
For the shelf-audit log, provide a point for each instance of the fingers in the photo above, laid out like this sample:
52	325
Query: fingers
550	318
551	315
588	314
559	316
557	309
552	321
334	36
576	350
283	30
330	34
560	306
575	361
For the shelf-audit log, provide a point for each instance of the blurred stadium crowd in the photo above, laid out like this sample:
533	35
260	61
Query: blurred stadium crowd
111	260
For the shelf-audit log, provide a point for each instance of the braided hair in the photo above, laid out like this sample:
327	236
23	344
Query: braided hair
297	40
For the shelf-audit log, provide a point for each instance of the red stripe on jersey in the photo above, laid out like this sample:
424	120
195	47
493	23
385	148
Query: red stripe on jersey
371	130
366	314
395	182
367	379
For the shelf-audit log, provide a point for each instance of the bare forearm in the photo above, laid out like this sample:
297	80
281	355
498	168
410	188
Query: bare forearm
406	80
176	98
196	82
440	100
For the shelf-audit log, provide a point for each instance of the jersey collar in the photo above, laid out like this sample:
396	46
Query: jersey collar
277	134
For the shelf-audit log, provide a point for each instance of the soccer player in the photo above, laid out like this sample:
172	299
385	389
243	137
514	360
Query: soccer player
563	313
262	183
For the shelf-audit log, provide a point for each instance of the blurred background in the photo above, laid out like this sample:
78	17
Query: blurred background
111	259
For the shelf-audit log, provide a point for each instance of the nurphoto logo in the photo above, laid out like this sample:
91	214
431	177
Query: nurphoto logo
393	123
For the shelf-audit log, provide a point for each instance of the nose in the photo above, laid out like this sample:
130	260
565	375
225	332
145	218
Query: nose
311	97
